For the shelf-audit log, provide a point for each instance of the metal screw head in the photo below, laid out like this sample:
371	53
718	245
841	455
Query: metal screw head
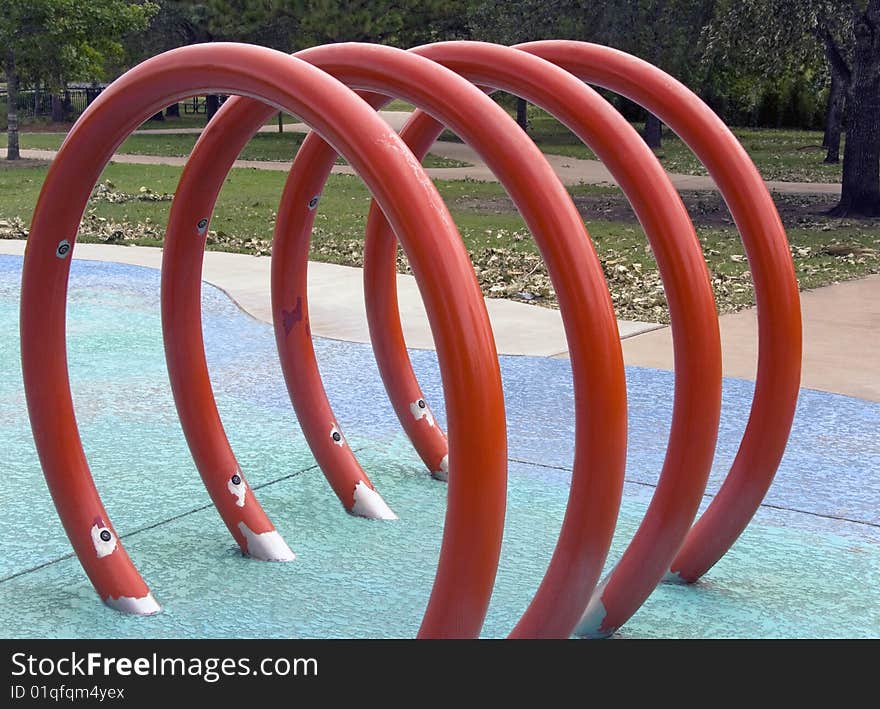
202	225
313	202
62	249
236	479
422	404
337	436
105	535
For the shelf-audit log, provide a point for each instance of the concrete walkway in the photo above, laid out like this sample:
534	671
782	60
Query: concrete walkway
841	341
336	300
841	322
571	171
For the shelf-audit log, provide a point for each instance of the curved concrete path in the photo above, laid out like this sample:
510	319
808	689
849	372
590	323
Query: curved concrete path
336	300
841	322
841	340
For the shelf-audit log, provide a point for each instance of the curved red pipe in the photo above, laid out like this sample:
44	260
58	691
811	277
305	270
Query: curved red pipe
579	556
409	200
776	288
560	233
697	345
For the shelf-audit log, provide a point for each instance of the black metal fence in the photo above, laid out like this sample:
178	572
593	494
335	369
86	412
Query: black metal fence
33	103
36	103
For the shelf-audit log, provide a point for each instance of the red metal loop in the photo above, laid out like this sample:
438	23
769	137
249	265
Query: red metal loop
776	288
694	322
466	349
585	535
560	233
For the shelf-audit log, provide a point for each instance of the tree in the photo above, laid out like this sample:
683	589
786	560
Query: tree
178	23
860	191
665	33
289	25
269	23
53	41
399	23
834	118
513	22
789	35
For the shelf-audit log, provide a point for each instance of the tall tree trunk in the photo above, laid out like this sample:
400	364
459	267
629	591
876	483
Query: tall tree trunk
653	133
212	105
834	117
12	152
834	95
522	113
860	192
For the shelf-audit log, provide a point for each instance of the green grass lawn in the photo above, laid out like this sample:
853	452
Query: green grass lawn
779	154
787	155
263	146
824	250
248	202
198	120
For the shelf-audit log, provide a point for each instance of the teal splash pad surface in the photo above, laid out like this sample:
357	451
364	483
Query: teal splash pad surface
807	573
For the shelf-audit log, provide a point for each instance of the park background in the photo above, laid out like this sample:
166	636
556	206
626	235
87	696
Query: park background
799	82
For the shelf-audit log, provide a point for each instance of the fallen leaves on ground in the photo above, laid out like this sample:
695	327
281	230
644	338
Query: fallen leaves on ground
503	272
106	192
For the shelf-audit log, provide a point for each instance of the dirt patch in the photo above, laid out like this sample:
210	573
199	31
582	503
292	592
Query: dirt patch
707	209
22	163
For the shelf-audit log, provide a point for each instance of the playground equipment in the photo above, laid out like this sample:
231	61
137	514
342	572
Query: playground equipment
437	79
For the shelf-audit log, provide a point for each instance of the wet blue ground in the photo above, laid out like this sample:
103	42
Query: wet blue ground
808	566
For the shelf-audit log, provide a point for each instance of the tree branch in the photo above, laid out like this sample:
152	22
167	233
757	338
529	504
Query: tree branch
835	58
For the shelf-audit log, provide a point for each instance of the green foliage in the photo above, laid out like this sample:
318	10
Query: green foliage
757	49
664	32
400	23
289	25
770	37
52	41
790	155
270	23
177	23
526	20
756	62
325	21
